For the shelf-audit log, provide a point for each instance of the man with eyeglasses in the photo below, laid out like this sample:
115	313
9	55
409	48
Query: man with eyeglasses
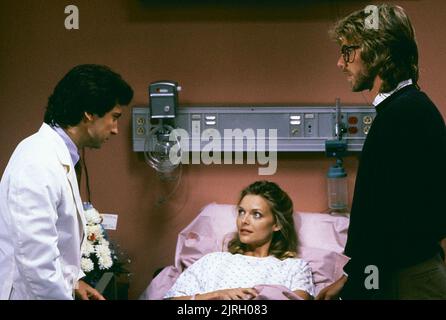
398	217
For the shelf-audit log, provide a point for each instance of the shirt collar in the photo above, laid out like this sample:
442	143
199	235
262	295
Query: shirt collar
72	148
380	97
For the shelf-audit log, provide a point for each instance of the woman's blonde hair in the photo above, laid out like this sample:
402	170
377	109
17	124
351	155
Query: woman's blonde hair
390	50
284	241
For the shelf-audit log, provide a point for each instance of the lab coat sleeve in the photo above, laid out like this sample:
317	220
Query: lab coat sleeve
34	196
80	275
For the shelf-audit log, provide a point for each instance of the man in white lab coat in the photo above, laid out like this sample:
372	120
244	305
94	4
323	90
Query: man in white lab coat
41	214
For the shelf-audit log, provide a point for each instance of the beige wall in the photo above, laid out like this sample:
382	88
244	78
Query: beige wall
266	55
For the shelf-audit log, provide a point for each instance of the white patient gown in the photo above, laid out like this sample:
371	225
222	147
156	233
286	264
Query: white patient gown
224	270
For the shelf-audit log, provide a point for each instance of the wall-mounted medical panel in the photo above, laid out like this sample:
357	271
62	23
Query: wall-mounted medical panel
297	128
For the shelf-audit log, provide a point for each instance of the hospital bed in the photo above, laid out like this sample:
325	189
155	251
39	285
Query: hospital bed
321	242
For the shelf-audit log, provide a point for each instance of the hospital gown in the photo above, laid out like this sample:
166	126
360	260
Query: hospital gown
224	270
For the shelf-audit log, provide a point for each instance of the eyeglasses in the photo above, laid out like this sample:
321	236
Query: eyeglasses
348	53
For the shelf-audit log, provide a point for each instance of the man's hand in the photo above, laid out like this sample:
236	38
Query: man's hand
86	292
333	290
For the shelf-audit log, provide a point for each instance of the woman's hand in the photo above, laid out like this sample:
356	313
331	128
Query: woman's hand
229	294
333	290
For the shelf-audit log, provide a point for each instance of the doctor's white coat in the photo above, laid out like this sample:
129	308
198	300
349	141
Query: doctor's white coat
41	220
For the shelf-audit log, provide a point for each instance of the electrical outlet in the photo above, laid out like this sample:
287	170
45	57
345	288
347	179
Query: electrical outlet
140	131
140	121
310	129
367	119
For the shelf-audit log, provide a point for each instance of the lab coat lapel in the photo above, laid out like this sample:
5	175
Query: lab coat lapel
71	176
65	159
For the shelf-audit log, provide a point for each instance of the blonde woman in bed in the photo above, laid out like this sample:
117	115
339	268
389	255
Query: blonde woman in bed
263	252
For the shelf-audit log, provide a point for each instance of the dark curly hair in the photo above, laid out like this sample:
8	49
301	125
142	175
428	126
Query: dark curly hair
389	51
284	242
91	88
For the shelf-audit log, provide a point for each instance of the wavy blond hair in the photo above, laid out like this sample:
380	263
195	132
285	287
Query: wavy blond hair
389	51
